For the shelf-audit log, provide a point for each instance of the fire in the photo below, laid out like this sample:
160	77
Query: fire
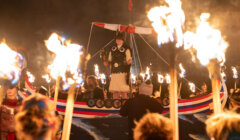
67	59
208	42
133	78
168	21
182	74
31	78
47	78
96	69
160	78
11	63
103	78
168	78
148	73
235	73
192	87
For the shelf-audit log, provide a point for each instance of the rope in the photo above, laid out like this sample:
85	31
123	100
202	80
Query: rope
102	48
135	44
89	38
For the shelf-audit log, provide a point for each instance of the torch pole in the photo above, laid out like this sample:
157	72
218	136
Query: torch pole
160	90
173	92
56	92
235	84
1	93
214	69
68	113
49	91
179	90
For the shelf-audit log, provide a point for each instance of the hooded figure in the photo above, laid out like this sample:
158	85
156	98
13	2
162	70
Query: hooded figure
120	63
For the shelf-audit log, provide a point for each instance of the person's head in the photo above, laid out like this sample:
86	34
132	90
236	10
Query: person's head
153	126
92	81
12	92
204	87
36	119
119	39
223	126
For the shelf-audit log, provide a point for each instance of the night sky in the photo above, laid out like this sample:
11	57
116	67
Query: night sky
27	23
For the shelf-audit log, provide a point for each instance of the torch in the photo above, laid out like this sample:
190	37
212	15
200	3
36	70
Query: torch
192	87
235	76
11	66
67	60
160	81
182	75
96	70
48	80
210	47
168	22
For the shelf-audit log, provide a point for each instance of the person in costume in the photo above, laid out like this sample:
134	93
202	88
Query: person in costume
37	119
8	109
120	62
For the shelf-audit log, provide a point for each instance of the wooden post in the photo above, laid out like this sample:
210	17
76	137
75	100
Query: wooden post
179	90
56	92
173	95
214	69
160	90
235	84
68	113
2	94
49	91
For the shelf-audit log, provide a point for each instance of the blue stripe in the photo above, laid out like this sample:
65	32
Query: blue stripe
90	110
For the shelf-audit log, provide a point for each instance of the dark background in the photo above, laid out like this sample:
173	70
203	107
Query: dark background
27	23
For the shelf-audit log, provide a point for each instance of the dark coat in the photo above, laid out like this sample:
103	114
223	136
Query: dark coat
97	93
135	109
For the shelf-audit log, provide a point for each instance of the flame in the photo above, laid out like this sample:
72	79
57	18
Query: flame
192	87
223	76
168	21
133	77
182	74
67	58
11	63
147	73
168	78
96	69
47	78
235	73
143	75
207	41
160	78
103	78
31	78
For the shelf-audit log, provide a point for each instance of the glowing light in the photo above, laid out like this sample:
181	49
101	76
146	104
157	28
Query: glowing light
103	78
192	87
11	63
160	78
133	77
167	21
67	59
31	78
168	78
223	76
96	69
47	78
182	74
235	73
147	73
208	42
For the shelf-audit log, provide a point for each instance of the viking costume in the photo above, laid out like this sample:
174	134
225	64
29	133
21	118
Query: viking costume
118	58
8	110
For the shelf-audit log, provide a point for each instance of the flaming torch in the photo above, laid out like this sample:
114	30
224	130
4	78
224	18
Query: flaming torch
96	70
168	22
11	66
160	81
192	87
31	78
235	76
66	60
182	75
48	80
210	47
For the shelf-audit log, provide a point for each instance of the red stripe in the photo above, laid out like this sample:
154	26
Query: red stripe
88	113
28	83
65	101
196	99
129	29
99	24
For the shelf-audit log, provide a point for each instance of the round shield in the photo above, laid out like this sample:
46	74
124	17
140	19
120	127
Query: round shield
108	103
99	103
165	101
117	103
91	102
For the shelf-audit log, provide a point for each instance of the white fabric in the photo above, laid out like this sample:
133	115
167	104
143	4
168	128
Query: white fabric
118	83
146	89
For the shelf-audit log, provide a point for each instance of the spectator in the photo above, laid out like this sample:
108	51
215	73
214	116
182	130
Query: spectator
37	119
93	91
224	126
146	88
136	107
153	126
